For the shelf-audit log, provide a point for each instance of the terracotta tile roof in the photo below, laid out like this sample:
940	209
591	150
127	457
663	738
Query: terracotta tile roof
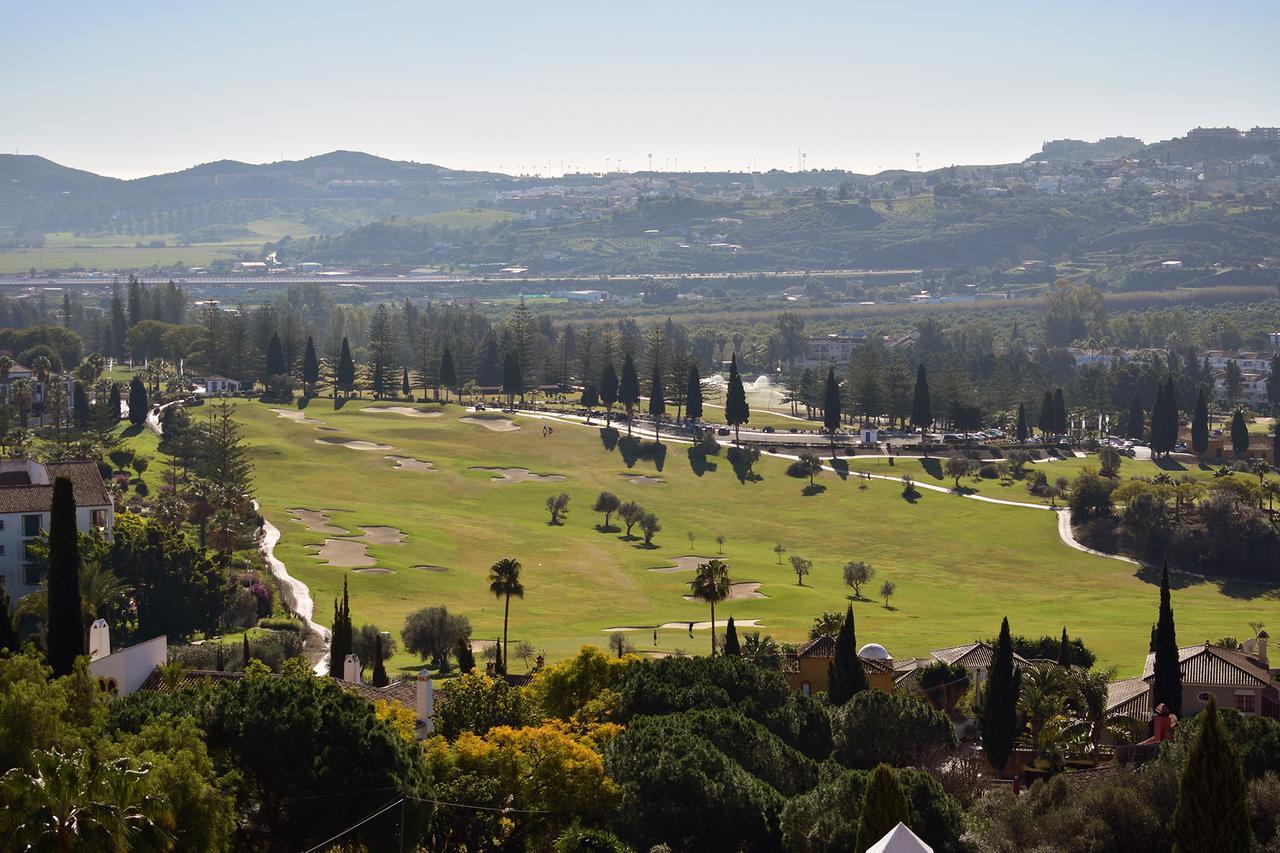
972	655
818	647
190	678
1214	666
86	486
1130	697
404	692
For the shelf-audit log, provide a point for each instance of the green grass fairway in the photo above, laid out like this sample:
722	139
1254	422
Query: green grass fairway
959	565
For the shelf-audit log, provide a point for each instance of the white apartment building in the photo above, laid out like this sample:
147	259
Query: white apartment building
834	349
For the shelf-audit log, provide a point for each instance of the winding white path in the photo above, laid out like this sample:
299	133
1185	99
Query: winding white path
296	594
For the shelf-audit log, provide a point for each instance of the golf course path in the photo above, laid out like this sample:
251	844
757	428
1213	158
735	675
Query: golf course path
295	593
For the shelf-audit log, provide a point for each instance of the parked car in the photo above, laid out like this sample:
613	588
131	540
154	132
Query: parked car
767	429
722	431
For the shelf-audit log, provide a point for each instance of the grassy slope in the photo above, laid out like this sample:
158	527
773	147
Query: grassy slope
959	565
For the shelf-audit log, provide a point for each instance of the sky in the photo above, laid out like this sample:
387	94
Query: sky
135	88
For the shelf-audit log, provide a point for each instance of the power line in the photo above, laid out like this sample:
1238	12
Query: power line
354	826
502	809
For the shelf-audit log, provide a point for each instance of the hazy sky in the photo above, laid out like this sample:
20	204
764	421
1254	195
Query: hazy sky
132	88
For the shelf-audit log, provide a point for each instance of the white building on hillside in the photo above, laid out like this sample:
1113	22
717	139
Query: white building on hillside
26	494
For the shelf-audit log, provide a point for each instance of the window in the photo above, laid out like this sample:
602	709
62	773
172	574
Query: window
1244	703
98	518
30	573
1	525
1	550
31	525
806	688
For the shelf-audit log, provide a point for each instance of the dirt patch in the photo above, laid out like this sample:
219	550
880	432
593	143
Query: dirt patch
400	410
495	424
382	535
642	479
296	416
408	463
345	553
683	564
375	571
684	626
738	592
431	568
316	520
519	475
353	444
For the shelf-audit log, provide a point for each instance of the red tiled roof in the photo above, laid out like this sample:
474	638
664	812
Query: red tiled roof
1214	666
1130	697
190	678
972	655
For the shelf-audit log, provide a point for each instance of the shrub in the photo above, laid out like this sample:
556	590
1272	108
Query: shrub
989	472
281	623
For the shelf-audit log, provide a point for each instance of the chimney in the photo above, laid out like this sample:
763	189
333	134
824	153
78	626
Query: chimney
351	669
99	640
426	709
1261	653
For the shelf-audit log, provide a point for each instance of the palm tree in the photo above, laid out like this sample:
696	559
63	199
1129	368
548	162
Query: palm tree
100	590
761	650
41	367
6	365
1088	710
24	394
504	582
711	584
1045	689
72	802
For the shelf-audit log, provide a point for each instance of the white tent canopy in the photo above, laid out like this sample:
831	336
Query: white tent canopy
900	839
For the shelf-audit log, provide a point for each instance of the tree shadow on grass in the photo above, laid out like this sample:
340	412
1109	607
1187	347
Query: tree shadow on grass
963	490
1237	588
932	467
304	401
339	402
609	438
911	497
647	546
607	528
633	450
841	467
1168	463
742	463
813	489
132	429
699	462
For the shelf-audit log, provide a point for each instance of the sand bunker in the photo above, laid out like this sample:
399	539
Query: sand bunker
354	444
684	626
316	520
519	475
400	410
427	568
683	564
345	553
738	592
382	535
642	479
495	424
296	416
375	571
408	463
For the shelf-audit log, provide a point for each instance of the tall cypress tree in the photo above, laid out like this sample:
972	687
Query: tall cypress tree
1064	649
8	636
245	654
1167	685
1000	709
1169	416
629	388
845	675
275	358
736	410
831	407
310	368
448	373
921	408
693	395
137	402
657	400
379	669
405	389
341	635
1046	413
608	391
65	629
1239	433
1059	412
1024	429
512	379
114	401
1212	813
346	373
1137	425
731	645
1200	424
884	806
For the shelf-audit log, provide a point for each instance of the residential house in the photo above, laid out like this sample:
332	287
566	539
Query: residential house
834	349
38	388
806	669
26	495
217	385
976	658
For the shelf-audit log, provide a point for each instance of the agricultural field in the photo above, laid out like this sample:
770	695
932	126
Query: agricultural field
411	504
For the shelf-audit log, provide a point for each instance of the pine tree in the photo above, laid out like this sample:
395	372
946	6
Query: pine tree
137	402
512	379
405	389
693	395
1212	813
346	373
657	400
1200	424
1023	430
64	629
1137	425
831	407
921	408
310	368
1239	434
1166	687
379	669
736	410
224	456
1000	709
113	400
80	405
275	359
1064	649
845	676
1059	412
1046	414
608	390
731	646
448	373
629	389
884	806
